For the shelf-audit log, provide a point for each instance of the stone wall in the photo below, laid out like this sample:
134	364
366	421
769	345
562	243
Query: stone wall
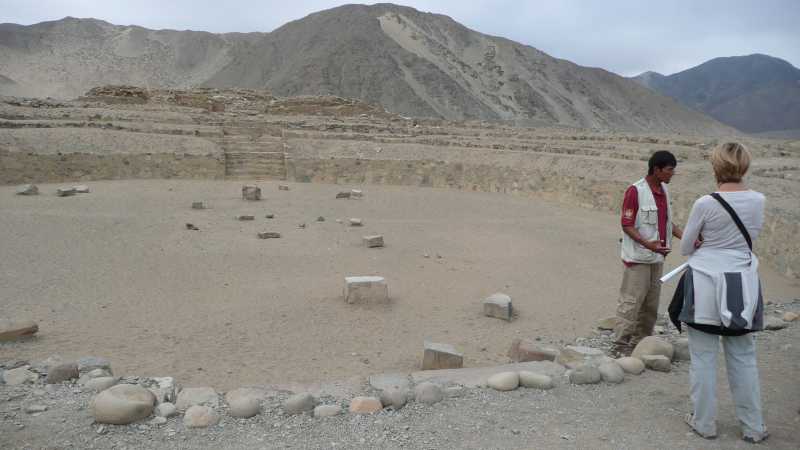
17	168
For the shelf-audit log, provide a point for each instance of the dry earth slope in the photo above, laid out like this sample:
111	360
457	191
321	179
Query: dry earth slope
413	63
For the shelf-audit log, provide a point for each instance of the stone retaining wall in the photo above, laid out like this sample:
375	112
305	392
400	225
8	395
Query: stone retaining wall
18	168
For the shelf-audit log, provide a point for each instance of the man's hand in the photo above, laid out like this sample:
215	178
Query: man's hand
655	246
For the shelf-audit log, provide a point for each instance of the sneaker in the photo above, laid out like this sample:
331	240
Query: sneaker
689	419
756	439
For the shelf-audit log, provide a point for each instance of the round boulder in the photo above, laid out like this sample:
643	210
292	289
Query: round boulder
299	403
122	404
428	393
365	405
100	383
61	372
611	372
243	403
394	397
166	409
653	345
657	362
631	365
199	416
585	374
535	380
504	381
327	410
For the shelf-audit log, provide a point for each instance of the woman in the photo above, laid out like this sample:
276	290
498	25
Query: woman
721	295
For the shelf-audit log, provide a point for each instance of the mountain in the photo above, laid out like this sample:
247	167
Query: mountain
410	62
754	93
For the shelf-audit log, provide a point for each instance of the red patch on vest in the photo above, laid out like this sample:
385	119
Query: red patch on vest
628	213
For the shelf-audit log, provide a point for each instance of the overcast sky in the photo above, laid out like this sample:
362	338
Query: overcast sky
623	36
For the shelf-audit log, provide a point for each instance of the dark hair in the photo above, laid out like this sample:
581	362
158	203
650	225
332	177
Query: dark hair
661	159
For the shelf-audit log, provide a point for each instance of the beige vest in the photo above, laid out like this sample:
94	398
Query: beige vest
647	225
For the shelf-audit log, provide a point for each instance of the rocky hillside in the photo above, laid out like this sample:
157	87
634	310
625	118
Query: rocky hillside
412	63
754	93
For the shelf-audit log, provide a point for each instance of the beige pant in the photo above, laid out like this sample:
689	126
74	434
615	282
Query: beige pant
638	303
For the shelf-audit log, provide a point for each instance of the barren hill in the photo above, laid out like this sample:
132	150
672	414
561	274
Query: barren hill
409	62
754	93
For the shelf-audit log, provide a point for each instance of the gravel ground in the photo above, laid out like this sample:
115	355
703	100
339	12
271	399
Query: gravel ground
644	412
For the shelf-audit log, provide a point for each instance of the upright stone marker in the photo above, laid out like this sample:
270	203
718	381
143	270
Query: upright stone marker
251	192
441	356
499	306
365	289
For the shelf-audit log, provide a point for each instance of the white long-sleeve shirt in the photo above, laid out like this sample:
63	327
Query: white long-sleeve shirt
724	249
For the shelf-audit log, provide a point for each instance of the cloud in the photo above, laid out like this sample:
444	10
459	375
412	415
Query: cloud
623	36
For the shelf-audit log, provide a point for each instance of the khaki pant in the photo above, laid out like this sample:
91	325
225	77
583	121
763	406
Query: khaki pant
638	303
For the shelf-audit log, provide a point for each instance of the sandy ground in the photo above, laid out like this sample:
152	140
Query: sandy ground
115	273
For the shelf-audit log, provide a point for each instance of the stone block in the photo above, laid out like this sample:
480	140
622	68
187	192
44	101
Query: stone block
657	362
356	222
608	323
441	356
283	187
65	192
343	195
28	189
269	235
652	345
356	193
373	241
245	217
498	305
523	350
198	205
11	330
575	356
81	189
251	192
365	289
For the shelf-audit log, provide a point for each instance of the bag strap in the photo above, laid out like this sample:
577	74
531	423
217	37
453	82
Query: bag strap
735	219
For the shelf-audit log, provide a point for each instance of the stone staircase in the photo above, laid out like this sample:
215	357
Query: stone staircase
252	155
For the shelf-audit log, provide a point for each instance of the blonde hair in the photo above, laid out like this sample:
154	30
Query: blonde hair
730	162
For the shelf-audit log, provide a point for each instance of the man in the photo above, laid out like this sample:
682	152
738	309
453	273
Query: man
646	240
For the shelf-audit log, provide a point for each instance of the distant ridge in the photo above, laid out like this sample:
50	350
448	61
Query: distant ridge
409	62
754	93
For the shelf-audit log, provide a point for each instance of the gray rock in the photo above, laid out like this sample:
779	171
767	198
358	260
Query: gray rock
585	374
157	421
166	409
251	192
428	393
61	372
269	235
81	189
356	193
611	372
199	416
198	205
774	323
245	217
327	410
65	192
299	403
535	380
320	219
343	195
653	345
504	381
441	356
100	383
18	376
631	365
790	316
122	404
283	187
681	350
164	388
34	409
243	403
499	306
197	396
28	189
523	350
657	362
394	397
373	241
608	323
356	222
573	356
89	363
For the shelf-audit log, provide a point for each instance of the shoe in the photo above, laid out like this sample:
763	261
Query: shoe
755	440
689	419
